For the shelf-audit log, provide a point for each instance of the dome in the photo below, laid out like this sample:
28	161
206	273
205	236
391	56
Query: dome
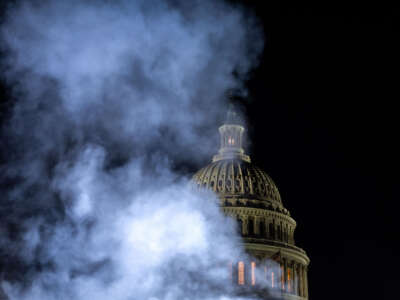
249	196
237	177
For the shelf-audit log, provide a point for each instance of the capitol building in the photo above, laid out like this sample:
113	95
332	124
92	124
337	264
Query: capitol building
247	194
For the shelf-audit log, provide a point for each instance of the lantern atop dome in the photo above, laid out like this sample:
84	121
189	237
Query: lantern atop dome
232	135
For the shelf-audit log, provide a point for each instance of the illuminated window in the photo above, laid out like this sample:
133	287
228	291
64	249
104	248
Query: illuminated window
289	285
241	273
253	273
231	141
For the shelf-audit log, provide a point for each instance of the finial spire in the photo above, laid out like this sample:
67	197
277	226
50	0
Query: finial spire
232	132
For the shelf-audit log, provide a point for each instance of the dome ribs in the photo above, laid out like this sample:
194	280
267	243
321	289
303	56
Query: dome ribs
211	177
218	182
249	179
241	178
265	180
229	178
235	177
224	175
201	176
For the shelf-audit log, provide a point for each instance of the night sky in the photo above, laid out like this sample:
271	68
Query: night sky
323	125
325	128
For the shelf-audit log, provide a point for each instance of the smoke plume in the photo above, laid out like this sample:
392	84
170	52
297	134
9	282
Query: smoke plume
109	97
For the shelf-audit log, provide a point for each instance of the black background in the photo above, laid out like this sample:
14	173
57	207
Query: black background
323	124
325	127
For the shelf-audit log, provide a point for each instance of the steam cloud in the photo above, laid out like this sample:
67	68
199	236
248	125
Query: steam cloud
110	96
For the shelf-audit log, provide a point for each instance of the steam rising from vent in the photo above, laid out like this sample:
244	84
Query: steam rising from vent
109	96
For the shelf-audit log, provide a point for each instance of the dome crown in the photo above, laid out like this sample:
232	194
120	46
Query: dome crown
232	135
236	177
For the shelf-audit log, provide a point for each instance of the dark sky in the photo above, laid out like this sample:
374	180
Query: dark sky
325	127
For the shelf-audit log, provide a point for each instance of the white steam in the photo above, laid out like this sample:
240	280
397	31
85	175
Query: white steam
111	95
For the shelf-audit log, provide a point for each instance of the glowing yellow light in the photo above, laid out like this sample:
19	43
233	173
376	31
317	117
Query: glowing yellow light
289	286
241	273
253	273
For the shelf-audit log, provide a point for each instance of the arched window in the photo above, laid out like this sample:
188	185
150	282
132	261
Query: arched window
240	226
271	231
250	227
253	273
241	273
262	228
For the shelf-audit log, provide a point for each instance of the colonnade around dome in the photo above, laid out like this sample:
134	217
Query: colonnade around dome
265	234
263	224
286	277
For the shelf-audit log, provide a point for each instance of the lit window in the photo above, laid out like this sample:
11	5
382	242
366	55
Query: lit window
241	273
289	286
253	273
231	140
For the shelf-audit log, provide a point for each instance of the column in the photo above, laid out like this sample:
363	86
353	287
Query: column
300	280
303	280
256	228
305	283
289	278
285	285
295	285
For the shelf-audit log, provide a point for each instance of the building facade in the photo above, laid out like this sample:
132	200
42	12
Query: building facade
249	195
